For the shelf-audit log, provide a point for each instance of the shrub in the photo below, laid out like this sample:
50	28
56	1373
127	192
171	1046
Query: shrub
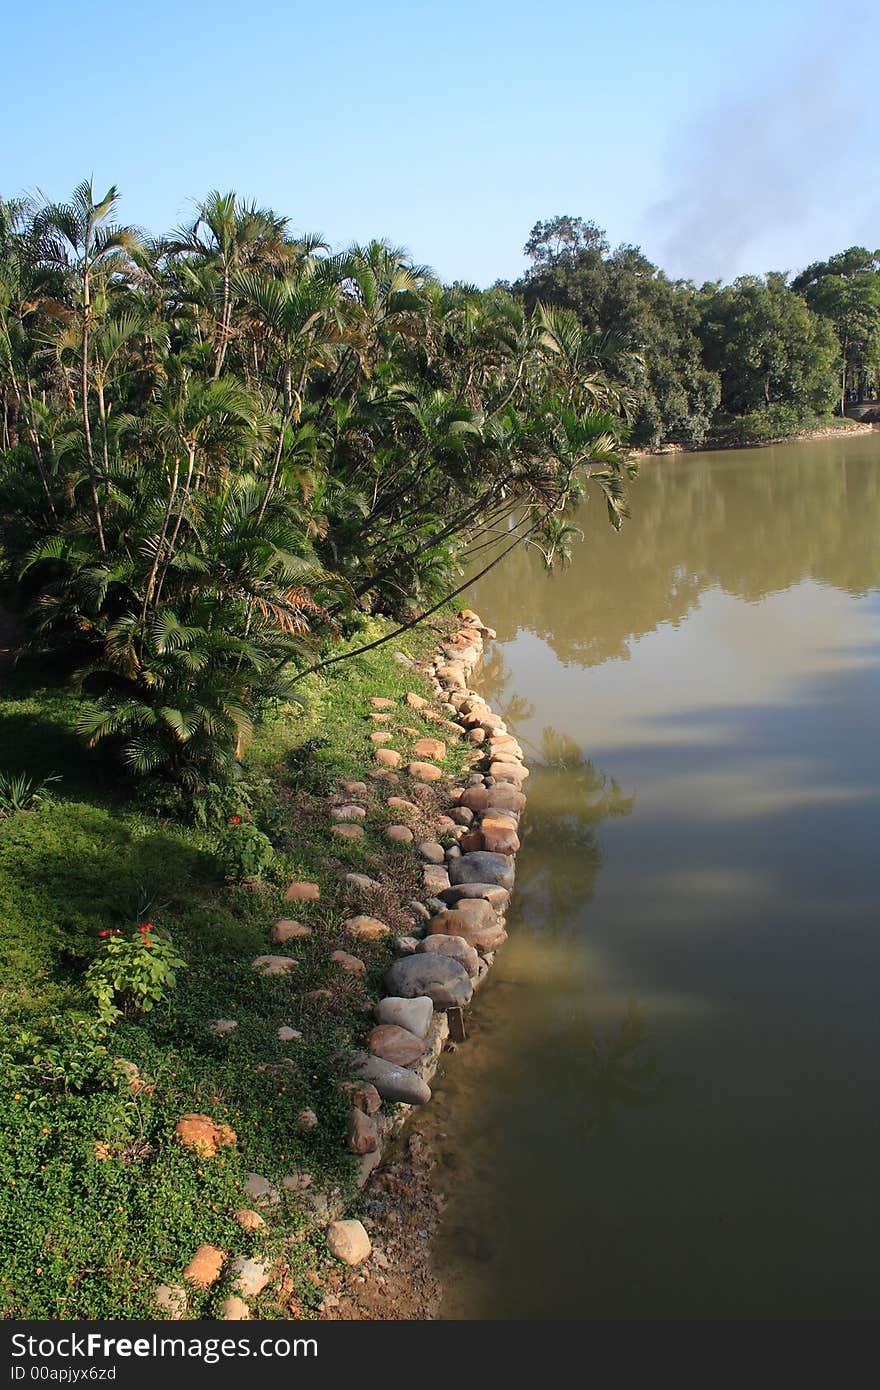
244	851
133	974
18	792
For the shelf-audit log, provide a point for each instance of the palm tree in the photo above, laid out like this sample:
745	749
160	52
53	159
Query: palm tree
79	238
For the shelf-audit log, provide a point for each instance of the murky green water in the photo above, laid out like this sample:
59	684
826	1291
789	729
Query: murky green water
669	1104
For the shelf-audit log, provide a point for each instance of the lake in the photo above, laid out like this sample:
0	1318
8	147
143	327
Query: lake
667	1107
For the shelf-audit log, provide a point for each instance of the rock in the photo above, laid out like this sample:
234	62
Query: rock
352	965
415	1015
508	772
250	1276
204	1268
384	775
306	1120
434	749
435	878
201	1134
470	842
348	832
262	1192
286	929
477	735
393	1082
348	812
297	1181
498	897
380	702
299	892
482	867
222	1026
399	803
454	946
363	883
472	919
348	1241
395	1044
399	834
354	788
502	798
453	852
433	852
443	980
286	1034
171	1300
366	928
424	772
418	911
462	815
499	836
362	1095
274	965
415	701
381	718
406	945
402	658
315	995
249	1220
386	757
380	738
234	1309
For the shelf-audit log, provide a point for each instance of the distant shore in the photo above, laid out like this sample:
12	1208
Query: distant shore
710	446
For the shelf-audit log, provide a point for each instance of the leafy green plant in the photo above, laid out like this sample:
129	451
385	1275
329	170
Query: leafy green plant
64	1054
244	851
133	974
18	792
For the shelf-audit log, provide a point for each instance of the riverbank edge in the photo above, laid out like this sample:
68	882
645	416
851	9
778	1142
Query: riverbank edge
718	445
398	1198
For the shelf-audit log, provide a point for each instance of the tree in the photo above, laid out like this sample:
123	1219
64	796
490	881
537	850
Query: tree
845	290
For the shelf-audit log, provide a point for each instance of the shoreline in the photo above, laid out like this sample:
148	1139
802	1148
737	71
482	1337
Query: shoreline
399	1202
717	446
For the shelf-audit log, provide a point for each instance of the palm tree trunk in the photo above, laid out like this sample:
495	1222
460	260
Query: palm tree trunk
87	429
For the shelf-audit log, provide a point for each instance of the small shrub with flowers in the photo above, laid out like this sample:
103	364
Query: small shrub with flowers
133	973
243	850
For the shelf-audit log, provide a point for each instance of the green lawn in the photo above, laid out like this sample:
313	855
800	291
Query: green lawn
98	1202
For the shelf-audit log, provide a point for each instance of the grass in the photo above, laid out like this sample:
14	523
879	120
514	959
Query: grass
98	1202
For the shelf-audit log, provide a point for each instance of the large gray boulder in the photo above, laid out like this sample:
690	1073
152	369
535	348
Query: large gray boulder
481	867
439	977
392	1082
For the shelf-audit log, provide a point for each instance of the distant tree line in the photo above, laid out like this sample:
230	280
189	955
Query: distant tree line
764	355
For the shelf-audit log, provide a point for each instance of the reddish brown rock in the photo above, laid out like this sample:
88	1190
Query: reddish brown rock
203	1135
349	812
424	772
399	834
474	920
353	965
381	738
504	798
348	832
363	1136
366	928
249	1220
434	749
499	836
381	702
395	1045
415	701
299	892
399	803
204	1268
362	1095
288	929
387	758
470	841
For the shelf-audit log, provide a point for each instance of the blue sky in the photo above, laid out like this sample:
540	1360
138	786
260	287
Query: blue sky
720	138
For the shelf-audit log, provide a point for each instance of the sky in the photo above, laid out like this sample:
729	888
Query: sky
723	139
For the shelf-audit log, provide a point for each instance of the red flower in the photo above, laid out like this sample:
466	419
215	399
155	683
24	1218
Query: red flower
103	933
235	820
146	926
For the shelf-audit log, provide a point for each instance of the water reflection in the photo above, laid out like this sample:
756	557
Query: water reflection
668	1108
